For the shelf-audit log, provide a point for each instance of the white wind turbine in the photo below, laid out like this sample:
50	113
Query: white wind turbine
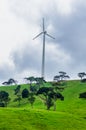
44	32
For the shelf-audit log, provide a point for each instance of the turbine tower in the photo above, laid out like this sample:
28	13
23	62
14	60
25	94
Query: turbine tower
44	33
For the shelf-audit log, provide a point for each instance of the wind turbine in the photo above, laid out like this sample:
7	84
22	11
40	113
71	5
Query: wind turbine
44	33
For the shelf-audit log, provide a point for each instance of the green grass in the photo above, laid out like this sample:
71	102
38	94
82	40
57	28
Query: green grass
70	113
27	119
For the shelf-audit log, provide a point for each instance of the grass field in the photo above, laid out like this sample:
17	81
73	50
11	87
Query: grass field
70	113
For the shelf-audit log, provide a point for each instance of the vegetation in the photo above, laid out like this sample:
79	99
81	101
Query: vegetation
62	76
81	75
50	96
10	81
4	98
82	95
70	114
18	94
25	93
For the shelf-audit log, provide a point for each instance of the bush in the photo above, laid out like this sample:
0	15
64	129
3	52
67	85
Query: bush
83	80
82	95
2	104
25	93
4	98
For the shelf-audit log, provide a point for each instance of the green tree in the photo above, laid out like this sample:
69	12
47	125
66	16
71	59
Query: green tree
25	93
43	92
82	95
30	79
10	81
35	84
30	95
31	99
4	98
63	75
55	96
56	78
61	78
49	96
18	94
81	75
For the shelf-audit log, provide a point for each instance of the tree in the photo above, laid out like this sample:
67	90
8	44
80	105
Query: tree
30	79
40	82
30	95
62	76
82	95
25	93
4	98
83	80
31	99
66	76
60	79
17	89
54	96
49	103
18	94
33	89
6	83
10	81
44	91
81	75
56	78
49	96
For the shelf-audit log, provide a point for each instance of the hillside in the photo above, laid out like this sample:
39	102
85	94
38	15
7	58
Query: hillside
70	113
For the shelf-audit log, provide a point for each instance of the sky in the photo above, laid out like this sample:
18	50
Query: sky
21	21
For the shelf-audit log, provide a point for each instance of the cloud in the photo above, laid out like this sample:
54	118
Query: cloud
72	34
21	20
11	31
30	58
64	7
7	71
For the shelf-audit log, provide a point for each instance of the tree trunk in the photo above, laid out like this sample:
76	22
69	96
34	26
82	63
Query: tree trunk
32	105
19	103
48	108
54	103
54	106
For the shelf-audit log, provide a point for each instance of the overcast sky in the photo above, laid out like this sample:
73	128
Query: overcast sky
21	21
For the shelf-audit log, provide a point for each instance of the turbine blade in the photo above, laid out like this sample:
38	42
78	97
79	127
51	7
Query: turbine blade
50	36
43	25
37	35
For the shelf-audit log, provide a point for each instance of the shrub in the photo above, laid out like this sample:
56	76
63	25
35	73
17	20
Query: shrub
25	93
82	95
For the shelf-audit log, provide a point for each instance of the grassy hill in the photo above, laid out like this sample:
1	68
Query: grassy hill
70	113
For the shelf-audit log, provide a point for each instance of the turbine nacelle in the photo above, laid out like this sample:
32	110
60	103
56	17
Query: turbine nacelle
45	32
